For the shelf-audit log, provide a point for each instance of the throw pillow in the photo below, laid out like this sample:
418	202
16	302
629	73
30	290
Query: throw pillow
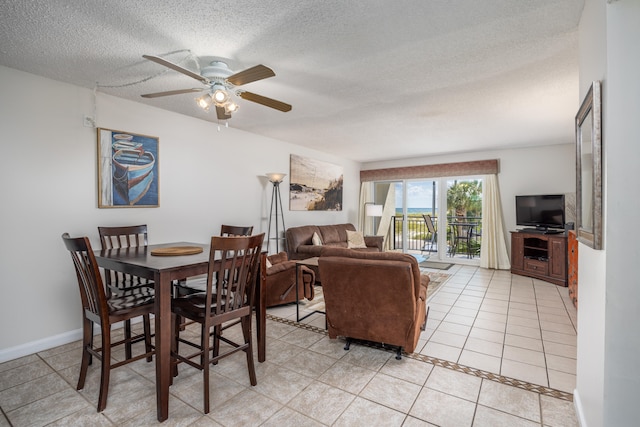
316	240
355	240
269	265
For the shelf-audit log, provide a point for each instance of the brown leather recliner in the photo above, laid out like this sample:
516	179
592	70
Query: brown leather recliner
374	296
279	280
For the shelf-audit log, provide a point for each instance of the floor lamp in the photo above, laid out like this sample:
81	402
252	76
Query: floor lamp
276	203
372	210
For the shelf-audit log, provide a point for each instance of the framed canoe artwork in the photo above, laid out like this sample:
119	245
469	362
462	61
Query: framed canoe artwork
127	170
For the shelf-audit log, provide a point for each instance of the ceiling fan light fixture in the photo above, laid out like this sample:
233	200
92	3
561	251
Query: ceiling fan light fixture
204	101
231	107
220	97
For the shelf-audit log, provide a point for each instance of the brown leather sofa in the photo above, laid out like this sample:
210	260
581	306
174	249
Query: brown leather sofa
379	297
279	280
300	245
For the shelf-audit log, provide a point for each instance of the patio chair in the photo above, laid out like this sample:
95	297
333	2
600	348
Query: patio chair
431	238
461	232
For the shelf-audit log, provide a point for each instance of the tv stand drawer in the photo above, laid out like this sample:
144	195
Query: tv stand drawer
536	266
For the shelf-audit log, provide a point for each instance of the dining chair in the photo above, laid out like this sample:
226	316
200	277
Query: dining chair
198	283
98	308
235	230
431	238
230	290
121	284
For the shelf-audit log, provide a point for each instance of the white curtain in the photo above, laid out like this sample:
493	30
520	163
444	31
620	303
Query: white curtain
366	196
493	252
388	211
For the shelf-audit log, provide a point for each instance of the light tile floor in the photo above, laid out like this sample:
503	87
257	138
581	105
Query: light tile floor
499	350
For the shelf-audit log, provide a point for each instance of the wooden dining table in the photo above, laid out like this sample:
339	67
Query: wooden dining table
164	270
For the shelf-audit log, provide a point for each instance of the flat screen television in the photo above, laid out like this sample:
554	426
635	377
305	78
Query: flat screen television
543	212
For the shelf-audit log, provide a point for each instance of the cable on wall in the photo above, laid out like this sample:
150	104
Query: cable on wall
189	56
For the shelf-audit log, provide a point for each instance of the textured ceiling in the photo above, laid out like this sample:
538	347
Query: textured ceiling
368	80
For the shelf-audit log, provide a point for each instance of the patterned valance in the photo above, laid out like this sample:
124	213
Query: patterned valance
479	167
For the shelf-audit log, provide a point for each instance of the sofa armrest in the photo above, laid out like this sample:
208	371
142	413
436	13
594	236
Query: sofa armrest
424	280
297	236
281	266
374	242
278	258
422	293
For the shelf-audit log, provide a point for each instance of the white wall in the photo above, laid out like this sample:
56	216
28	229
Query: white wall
588	396
541	170
49	186
622	133
608	375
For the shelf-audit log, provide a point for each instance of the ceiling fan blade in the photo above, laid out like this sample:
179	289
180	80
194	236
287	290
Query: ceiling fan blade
222	114
171	92
268	102
177	68
249	75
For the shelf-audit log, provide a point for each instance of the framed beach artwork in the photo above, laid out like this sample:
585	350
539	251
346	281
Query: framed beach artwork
315	185
127	170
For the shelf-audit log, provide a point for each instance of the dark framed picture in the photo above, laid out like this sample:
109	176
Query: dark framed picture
127	170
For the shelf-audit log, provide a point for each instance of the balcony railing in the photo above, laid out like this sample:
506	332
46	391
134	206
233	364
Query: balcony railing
418	236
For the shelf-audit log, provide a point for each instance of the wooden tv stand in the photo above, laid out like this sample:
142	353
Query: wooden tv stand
539	255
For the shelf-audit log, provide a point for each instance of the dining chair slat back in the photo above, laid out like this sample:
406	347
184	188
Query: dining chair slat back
235	230
122	284
123	237
133	236
197	284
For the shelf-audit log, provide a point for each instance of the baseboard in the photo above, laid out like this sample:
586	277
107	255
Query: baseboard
39	345
51	342
577	403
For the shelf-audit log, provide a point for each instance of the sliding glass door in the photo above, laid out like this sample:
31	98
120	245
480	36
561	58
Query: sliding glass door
440	219
413	201
464	217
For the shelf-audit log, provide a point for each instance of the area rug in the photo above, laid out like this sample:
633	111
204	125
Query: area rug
436	280
317	303
436	265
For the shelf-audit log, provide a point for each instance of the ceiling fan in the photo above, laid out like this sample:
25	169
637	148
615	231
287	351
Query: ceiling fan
220	82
